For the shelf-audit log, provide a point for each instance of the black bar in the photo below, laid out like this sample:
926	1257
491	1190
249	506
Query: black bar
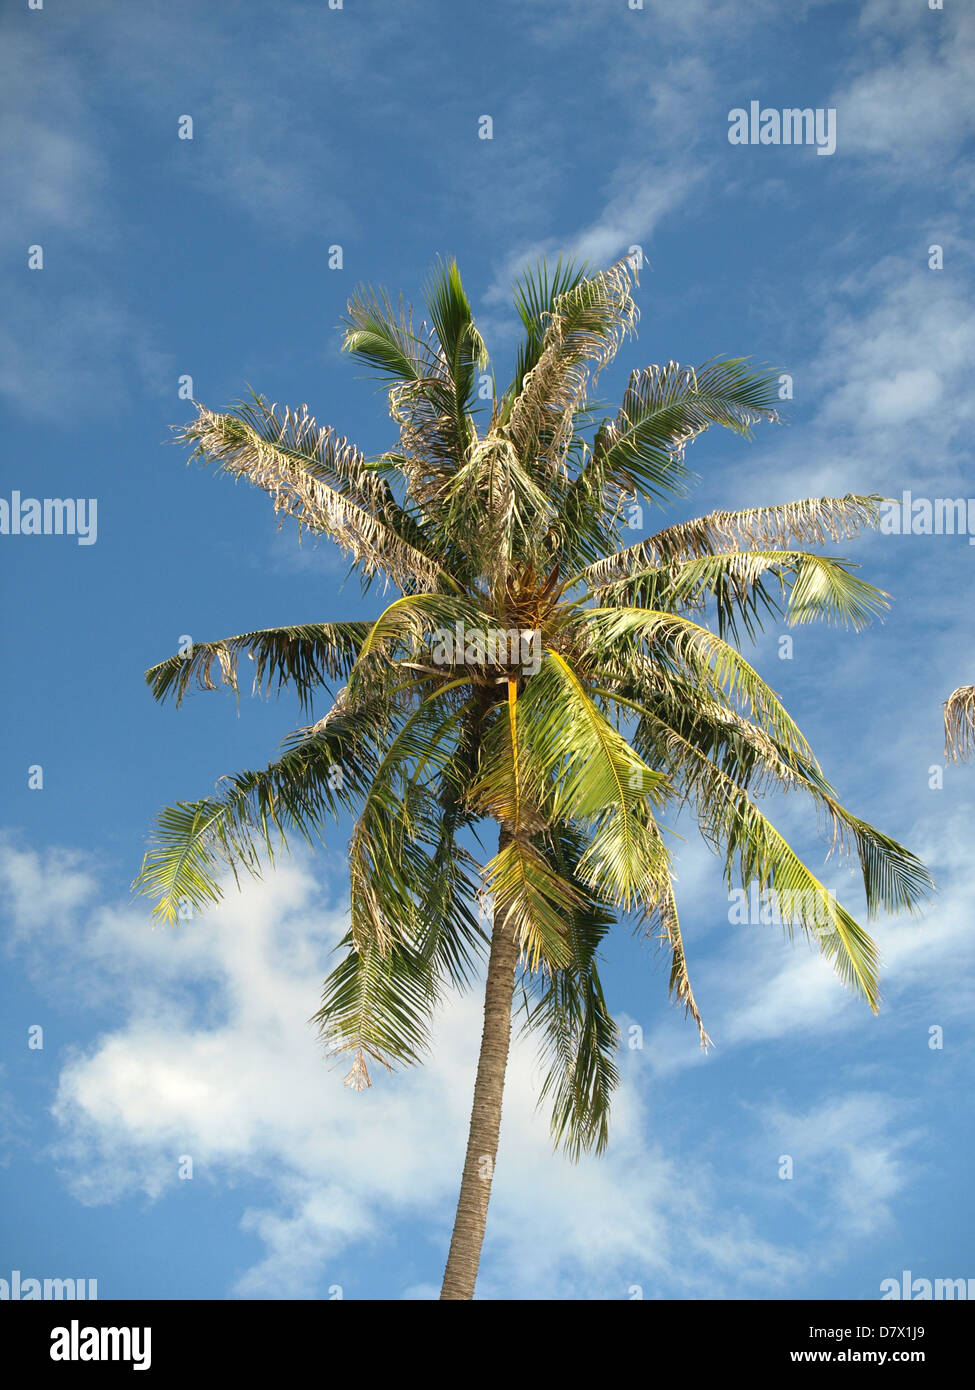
238	1336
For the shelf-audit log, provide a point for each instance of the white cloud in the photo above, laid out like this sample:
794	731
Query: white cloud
913	100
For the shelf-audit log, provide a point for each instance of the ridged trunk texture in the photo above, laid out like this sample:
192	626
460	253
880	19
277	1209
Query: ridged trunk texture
482	1143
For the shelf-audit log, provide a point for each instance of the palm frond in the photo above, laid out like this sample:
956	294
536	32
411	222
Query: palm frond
382	334
567	1008
756	852
378	1005
463	348
816	586
305	656
686	735
660	918
405	633
494	501
536	293
378	1001
389	867
664	408
535	900
323	482
323	770
694	652
583	332
595	778
529	893
813	521
960	723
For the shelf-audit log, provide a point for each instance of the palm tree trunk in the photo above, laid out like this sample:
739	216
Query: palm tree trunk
482	1143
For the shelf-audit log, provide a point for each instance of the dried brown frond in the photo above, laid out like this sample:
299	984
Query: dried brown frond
358	1078
960	724
431	446
292	460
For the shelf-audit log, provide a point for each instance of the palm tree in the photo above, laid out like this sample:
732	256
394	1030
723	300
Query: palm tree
960	723
534	672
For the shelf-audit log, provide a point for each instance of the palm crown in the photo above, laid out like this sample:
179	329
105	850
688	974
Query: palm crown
630	706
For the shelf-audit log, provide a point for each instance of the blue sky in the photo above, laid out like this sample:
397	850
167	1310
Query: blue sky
208	257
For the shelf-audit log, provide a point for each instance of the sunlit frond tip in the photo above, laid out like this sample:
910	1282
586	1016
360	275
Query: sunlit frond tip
960	724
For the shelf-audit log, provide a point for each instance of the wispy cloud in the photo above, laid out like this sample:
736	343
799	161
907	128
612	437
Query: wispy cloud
81	353
853	1149
908	99
55	165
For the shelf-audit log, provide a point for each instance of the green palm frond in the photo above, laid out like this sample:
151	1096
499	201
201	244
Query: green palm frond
821	587
695	653
640	453
534	900
660	918
463	348
379	1000
894	879
529	893
377	1005
181	870
505	786
567	1008
433	375
405	637
536	293
399	816
688	737
766	858
323	770
664	408
382	334
756	852
306	656
594	778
